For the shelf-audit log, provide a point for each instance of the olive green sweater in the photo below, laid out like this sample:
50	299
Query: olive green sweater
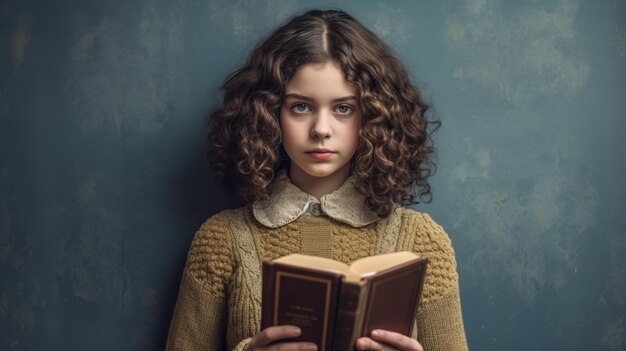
219	302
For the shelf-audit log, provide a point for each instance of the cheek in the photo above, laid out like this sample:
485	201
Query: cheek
289	133
284	129
283	124
355	134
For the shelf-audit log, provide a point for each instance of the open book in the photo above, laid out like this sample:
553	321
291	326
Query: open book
334	304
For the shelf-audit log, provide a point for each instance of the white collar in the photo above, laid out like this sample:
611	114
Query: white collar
287	203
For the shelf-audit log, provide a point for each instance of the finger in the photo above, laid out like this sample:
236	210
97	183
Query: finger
366	343
273	334
396	340
290	346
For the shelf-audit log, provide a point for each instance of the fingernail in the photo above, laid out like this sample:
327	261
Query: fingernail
296	331
376	333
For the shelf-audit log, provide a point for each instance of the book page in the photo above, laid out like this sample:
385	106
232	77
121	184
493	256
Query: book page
313	262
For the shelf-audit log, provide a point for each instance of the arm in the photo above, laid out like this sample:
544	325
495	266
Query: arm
200	317
439	323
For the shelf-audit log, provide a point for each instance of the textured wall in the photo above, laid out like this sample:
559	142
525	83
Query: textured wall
102	181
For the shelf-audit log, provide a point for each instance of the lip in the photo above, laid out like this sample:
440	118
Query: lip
320	150
320	154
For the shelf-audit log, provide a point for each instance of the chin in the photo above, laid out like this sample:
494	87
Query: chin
320	173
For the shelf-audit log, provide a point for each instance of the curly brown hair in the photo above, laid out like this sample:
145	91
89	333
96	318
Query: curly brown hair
395	155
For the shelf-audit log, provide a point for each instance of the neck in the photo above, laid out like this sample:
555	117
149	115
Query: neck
318	186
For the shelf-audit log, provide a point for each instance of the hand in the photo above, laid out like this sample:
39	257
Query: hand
269	339
382	340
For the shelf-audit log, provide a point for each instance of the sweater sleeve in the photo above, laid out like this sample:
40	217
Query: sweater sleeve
439	323
242	344
200	316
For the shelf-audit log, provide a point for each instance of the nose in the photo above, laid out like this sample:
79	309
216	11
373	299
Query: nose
321	128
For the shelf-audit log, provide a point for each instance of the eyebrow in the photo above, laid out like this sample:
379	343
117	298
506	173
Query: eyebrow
306	98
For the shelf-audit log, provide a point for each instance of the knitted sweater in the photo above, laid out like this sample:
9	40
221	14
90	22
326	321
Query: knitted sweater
219	302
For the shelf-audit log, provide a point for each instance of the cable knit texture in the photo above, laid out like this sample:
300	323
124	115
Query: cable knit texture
212	244
218	307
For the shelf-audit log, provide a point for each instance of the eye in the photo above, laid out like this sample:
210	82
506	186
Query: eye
300	108
344	109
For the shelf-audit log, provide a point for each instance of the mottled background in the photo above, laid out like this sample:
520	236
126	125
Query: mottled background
102	179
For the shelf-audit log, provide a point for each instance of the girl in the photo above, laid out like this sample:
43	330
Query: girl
326	138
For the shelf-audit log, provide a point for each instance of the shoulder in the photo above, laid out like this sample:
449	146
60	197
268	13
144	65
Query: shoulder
210	260
419	218
427	232
219	225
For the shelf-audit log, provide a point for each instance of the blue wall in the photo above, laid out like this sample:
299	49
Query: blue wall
103	183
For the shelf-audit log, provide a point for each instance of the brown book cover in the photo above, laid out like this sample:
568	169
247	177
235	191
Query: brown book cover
303	297
334	304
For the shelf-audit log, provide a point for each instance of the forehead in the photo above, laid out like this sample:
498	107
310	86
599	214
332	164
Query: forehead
320	81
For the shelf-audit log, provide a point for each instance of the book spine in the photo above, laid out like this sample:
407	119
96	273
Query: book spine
267	305
349	316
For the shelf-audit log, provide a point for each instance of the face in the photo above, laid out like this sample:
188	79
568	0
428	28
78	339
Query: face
320	122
